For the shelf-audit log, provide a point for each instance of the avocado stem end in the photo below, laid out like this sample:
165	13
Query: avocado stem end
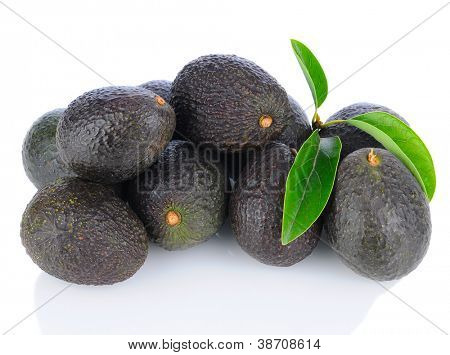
173	218
265	121
372	158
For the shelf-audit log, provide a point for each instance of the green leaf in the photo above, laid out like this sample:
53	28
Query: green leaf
309	184
403	142
313	71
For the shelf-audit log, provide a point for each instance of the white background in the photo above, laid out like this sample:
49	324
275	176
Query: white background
216	288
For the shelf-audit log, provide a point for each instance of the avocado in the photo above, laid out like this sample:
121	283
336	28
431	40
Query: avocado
162	88
299	129
379	218
256	209
230	102
81	232
119	189
181	198
353	138
293	136
40	157
109	134
159	87
235	162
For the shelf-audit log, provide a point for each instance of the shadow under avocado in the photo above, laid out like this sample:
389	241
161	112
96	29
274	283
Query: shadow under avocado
214	288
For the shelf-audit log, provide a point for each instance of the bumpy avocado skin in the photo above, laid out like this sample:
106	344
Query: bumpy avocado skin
159	87
256	209
293	136
353	138
220	99
40	157
81	232
184	181
163	88
379	218
300	128
235	162
108	134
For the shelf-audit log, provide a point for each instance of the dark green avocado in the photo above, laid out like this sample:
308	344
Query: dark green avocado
293	136
256	209
109	134
159	87
300	128
235	162
180	198
162	88
353	138
40	157
81	232
379	219
230	102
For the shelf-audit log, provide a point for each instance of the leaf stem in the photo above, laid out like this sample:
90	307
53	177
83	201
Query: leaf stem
327	124
316	122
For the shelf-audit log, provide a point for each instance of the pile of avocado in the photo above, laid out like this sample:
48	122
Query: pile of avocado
168	162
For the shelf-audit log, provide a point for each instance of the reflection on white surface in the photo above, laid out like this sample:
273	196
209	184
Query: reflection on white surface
214	288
